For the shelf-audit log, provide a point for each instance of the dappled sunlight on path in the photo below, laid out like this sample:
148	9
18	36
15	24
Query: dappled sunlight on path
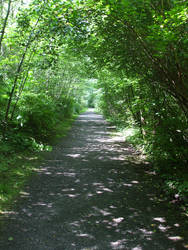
88	195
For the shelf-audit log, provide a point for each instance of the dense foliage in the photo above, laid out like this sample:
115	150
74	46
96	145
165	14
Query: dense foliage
40	78
53	52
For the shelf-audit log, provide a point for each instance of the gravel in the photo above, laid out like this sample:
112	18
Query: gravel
89	195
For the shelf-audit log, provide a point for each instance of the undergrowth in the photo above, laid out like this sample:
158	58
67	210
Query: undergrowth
20	155
172	175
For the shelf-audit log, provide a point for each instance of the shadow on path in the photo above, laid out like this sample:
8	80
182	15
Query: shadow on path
88	195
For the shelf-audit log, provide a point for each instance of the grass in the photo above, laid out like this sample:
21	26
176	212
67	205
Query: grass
18	164
13	174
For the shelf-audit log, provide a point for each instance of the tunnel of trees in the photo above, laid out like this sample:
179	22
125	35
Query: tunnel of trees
126	58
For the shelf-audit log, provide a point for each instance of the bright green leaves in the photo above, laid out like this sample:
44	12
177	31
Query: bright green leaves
169	29
23	20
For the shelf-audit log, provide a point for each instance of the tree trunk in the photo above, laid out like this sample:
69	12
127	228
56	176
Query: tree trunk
22	86
17	77
5	23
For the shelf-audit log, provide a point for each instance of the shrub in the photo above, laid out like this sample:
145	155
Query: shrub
37	115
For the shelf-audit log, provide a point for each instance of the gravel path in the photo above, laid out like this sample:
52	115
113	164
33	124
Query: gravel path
87	195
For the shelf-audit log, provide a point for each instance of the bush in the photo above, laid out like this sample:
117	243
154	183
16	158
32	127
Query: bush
37	115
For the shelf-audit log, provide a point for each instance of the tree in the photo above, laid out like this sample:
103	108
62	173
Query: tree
5	23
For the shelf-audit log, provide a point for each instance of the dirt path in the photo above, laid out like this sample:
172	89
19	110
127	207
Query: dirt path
87	195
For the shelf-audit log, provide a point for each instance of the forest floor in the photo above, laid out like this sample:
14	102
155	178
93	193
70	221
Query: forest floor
92	192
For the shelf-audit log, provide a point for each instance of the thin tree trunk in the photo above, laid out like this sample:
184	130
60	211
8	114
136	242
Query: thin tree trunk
17	77
19	95
14	84
176	89
5	23
22	86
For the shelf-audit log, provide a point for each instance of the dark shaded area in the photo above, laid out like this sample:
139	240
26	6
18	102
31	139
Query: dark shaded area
88	195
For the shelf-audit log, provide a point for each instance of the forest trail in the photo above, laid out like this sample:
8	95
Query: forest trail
88	195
